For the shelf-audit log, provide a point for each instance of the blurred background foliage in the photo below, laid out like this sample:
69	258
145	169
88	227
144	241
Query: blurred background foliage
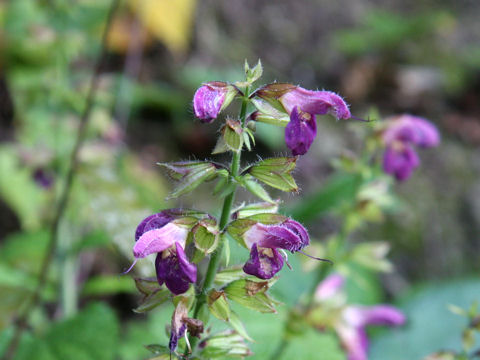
385	57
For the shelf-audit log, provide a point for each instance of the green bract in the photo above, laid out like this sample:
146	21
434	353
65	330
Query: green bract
189	175
276	173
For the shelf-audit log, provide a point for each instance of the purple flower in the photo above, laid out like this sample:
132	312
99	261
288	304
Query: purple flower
264	240
211	98
302	105
300	131
160	234
351	320
399	137
329	287
315	102
174	270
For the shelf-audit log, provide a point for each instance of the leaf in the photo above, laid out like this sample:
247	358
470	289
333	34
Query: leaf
205	238
254	74
251	294
237	324
276	173
226	344
218	305
158	349
189	174
255	209
91	334
228	275
108	285
233	135
153	300
255	188
423	307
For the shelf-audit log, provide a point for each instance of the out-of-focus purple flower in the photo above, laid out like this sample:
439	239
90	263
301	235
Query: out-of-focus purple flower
329	287
160	234
211	98
264	240
302	105
352	319
300	131
43	178
399	137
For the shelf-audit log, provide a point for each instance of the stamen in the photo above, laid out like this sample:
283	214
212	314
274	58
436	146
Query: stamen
285	256
360	119
130	268
313	257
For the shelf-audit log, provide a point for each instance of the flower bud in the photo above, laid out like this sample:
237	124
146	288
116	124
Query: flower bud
211	98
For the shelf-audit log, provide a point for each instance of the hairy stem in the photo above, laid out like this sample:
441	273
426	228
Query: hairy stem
21	321
224	218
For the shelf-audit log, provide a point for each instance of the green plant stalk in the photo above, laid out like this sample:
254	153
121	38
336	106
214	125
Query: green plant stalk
224	218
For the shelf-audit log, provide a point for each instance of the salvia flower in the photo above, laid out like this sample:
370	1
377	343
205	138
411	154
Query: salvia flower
211	98
349	321
265	240
161	234
400	136
302	105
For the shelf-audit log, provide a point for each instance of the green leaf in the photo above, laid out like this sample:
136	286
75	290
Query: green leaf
205	237
424	307
237	324
276	172
255	188
147	286
92	334
218	305
233	135
254	74
251	294
255	209
189	174
228	275
158	349
269	114
225	345
108	285
153	300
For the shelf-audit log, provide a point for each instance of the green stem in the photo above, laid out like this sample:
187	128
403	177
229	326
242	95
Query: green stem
224	218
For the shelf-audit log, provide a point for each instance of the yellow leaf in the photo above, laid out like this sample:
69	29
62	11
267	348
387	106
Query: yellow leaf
170	21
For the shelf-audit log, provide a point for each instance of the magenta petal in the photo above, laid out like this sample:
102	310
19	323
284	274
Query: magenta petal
157	240
360	316
155	221
354	340
263	263
175	271
208	101
289	235
400	162
412	129
316	102
300	132
329	287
